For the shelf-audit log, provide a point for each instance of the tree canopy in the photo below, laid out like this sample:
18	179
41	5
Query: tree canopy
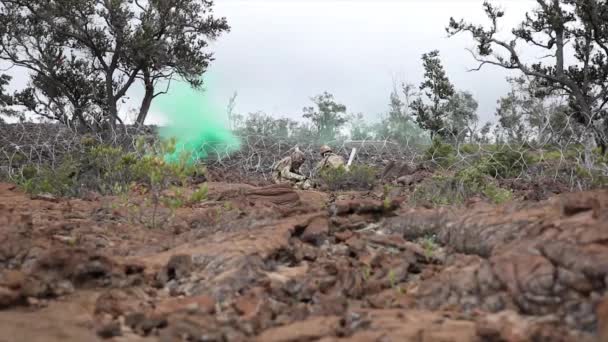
437	88
84	55
557	27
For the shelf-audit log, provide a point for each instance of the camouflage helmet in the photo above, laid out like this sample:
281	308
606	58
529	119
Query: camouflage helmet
324	149
298	156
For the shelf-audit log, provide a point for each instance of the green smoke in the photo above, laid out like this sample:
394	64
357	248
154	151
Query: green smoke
199	127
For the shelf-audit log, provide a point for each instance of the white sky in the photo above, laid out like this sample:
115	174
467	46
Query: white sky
280	53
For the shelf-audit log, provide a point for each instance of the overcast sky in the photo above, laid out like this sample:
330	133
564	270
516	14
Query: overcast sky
279	53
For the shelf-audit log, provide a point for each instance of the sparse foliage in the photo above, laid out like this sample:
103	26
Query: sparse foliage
525	118
436	87
359	128
399	124
5	99
461	115
262	124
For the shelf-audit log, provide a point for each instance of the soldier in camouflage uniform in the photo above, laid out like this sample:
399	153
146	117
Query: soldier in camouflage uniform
329	160
287	170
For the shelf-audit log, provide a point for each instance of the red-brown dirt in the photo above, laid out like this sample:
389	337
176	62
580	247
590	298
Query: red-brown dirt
272	264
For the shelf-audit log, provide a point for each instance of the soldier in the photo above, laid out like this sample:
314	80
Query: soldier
329	159
287	170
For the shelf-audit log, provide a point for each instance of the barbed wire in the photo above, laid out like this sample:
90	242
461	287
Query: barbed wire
559	159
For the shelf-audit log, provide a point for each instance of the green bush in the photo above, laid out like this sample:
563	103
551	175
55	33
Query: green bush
440	153
59	181
475	179
199	195
362	176
455	189
109	170
334	178
552	156
505	162
469	148
441	190
357	177
590	178
601	158
497	194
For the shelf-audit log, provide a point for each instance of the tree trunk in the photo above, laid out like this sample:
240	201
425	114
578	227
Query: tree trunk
83	125
148	97
590	145
111	103
145	105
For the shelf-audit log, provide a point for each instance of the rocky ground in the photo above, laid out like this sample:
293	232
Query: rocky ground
271	264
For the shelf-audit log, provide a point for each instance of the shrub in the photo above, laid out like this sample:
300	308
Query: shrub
362	176
440	190
497	194
334	178
552	156
590	178
429	244
455	189
469	148
108	170
504	162
440	153
474	178
357	177
59	181
199	194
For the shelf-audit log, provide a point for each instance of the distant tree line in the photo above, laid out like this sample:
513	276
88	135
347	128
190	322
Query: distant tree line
83	56
414	114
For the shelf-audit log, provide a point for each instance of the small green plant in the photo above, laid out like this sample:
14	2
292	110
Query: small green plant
392	278
386	203
386	200
386	190
469	148
367	273
199	194
228	206
430	246
552	156
601	158
157	175
497	194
